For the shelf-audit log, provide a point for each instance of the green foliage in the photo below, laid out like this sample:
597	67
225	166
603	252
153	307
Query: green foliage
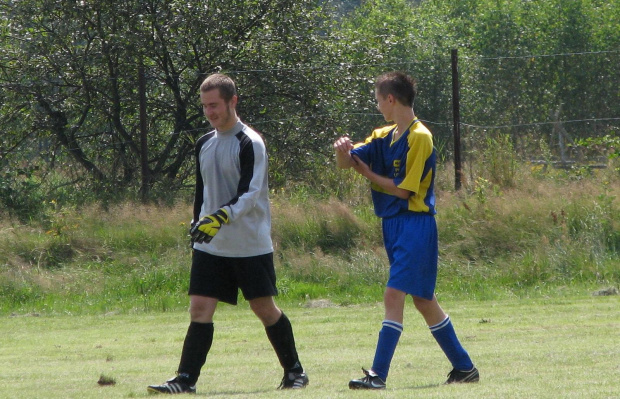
500	161
532	237
16	293
70	73
69	119
546	232
21	195
70	102
331	227
610	144
596	225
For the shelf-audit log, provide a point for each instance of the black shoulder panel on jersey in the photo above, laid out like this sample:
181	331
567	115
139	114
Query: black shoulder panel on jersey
200	142
246	160
198	192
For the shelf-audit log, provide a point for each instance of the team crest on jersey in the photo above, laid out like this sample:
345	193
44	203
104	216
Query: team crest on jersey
396	166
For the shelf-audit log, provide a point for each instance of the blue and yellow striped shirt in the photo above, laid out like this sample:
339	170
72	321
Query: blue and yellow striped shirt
410	161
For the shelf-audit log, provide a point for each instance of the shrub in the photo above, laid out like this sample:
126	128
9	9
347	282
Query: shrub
22	196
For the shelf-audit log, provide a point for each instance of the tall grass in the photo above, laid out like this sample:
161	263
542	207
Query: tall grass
538	232
553	227
130	258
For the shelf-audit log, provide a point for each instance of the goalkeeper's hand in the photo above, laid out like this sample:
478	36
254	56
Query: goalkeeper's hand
206	228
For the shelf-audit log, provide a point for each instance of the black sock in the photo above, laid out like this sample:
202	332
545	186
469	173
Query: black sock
281	337
195	348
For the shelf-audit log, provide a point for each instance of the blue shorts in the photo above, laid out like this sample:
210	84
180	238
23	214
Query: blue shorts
411	243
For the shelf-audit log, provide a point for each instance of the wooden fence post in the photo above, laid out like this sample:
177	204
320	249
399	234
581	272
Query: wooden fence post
456	121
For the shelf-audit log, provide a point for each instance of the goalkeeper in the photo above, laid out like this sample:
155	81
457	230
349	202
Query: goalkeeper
231	236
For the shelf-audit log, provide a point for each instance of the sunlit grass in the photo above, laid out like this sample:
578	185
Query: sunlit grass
558	347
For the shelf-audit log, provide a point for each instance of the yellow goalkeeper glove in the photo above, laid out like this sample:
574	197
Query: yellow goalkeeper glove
207	227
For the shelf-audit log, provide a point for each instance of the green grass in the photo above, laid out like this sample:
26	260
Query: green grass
526	348
538	233
93	297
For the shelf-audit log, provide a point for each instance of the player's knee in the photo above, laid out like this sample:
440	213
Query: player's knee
199	314
202	310
393	297
266	311
422	305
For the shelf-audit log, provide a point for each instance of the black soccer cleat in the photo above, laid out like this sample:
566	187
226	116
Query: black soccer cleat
174	385
294	380
369	381
458	377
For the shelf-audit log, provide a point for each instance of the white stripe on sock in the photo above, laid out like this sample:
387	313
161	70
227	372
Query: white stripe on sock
392	324
441	325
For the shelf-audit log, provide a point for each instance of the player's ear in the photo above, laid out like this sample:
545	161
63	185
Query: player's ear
233	101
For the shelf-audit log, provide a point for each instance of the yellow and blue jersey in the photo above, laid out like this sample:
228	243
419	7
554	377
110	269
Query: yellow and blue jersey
410	161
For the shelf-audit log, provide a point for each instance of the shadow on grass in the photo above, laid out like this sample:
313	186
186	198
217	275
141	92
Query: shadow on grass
428	386
232	393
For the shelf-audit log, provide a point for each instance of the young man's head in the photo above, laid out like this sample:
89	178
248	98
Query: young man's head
218	96
400	86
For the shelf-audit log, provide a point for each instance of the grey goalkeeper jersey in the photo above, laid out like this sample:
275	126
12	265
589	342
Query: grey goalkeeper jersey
231	172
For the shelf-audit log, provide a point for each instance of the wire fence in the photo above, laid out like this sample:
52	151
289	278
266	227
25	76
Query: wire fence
545	103
557	98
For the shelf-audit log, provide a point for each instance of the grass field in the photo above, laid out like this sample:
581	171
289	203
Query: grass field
94	293
524	348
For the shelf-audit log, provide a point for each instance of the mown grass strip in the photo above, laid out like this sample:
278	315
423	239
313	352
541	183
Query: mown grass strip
529	348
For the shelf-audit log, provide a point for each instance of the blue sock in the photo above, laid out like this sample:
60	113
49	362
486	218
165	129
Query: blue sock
446	338
388	339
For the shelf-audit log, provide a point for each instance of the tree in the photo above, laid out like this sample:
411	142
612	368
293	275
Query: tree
70	71
524	61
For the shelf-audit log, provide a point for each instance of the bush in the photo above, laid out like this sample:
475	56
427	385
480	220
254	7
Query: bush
21	195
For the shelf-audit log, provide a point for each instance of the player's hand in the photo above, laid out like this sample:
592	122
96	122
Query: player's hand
343	147
206	228
343	144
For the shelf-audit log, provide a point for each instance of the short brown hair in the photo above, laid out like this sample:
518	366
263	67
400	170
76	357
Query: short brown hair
223	83
398	84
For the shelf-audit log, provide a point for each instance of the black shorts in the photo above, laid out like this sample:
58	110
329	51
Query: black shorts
222	277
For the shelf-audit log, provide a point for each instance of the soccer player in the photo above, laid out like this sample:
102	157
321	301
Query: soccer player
231	236
399	161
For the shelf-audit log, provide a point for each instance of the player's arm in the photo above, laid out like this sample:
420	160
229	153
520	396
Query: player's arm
198	191
198	194
343	147
253	164
385	183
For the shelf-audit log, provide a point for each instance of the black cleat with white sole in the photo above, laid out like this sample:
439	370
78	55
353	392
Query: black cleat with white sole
178	384
370	381
459	377
293	380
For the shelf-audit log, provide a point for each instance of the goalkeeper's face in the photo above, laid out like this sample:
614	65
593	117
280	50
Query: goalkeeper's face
221	114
